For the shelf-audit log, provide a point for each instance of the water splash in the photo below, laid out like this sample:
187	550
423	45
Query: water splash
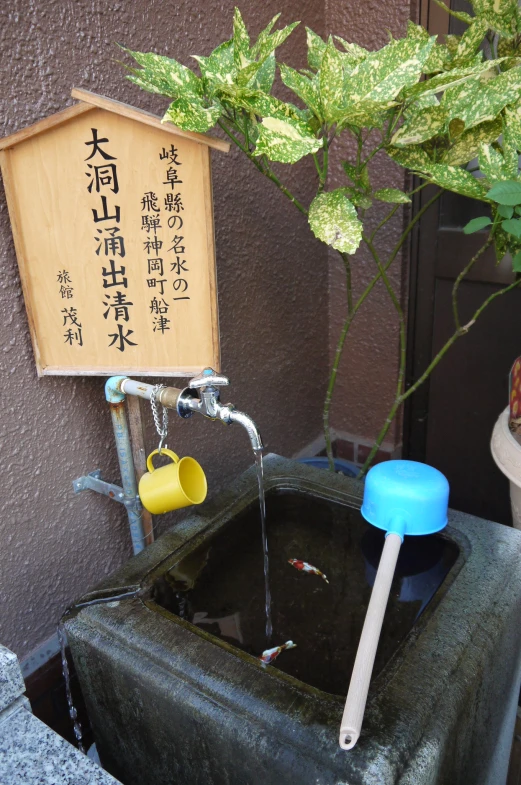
67	678
262	503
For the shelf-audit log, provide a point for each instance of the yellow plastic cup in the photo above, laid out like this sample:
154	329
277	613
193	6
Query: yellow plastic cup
171	487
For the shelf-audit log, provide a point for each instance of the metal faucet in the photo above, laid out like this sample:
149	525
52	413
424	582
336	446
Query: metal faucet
203	396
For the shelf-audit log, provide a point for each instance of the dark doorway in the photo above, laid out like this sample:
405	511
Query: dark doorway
449	421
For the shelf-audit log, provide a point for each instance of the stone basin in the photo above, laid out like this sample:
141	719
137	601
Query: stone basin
175	690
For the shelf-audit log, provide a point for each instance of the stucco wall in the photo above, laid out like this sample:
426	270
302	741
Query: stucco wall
273	300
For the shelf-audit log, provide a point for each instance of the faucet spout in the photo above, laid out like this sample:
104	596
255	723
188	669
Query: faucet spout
251	428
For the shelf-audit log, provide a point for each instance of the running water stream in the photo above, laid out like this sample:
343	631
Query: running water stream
67	678
262	503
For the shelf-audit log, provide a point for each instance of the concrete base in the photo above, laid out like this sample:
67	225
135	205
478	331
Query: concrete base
169	702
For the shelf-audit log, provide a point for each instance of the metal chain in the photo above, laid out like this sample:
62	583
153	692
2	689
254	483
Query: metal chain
162	429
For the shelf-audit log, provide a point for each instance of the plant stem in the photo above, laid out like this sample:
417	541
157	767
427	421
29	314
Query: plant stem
336	362
461	276
322	177
352	310
266	171
401	318
458	333
410	226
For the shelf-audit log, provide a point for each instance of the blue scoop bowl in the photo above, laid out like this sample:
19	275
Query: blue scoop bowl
406	497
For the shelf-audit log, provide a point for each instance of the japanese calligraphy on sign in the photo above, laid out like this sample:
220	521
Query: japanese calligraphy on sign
113	226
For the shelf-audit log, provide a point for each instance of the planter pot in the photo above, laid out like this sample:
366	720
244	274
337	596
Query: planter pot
506	452
341	466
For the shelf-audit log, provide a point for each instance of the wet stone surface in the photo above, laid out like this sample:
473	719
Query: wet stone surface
219	587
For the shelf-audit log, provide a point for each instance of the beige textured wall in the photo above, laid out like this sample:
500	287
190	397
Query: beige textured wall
368	372
273	298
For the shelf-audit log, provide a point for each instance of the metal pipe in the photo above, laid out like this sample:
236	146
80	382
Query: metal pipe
116	399
167	396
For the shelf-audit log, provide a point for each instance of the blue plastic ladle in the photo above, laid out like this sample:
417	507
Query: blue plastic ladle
402	498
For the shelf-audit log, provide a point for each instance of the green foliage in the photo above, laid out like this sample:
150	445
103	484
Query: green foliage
516	262
477	224
507	192
333	220
512	226
434	106
391	195
285	140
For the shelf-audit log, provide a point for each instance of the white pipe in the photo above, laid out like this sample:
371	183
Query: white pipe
141	389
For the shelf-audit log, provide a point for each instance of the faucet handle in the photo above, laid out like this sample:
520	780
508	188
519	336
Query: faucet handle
209	378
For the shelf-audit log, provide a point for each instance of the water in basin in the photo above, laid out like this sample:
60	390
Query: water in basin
219	586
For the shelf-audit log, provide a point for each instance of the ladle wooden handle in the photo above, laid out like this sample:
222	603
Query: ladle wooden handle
361	677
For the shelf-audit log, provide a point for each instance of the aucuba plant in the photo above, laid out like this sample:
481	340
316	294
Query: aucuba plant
447	111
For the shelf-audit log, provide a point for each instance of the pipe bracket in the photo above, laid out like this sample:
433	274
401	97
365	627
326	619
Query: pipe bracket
93	482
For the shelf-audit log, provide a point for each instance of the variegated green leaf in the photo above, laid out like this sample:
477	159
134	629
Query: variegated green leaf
150	83
263	36
467	144
420	127
383	74
355	54
499	14
316	49
509	47
450	177
219	67
439	56
423	102
510	155
359	200
306	89
513	122
492	163
391	195
332	94
452	43
413	157
284	140
191	115
264	105
265	76
164	75
351	171
366	114
246	74
455	179
470	42
445	81
478	101
461	15
417	32
439	59
275	40
333	220
241	41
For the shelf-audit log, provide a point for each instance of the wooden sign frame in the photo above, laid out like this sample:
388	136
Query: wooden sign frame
192	340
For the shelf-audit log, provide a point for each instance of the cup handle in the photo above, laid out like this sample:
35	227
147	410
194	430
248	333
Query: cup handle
171	454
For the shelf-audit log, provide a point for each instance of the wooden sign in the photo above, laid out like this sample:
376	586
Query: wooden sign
113	227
